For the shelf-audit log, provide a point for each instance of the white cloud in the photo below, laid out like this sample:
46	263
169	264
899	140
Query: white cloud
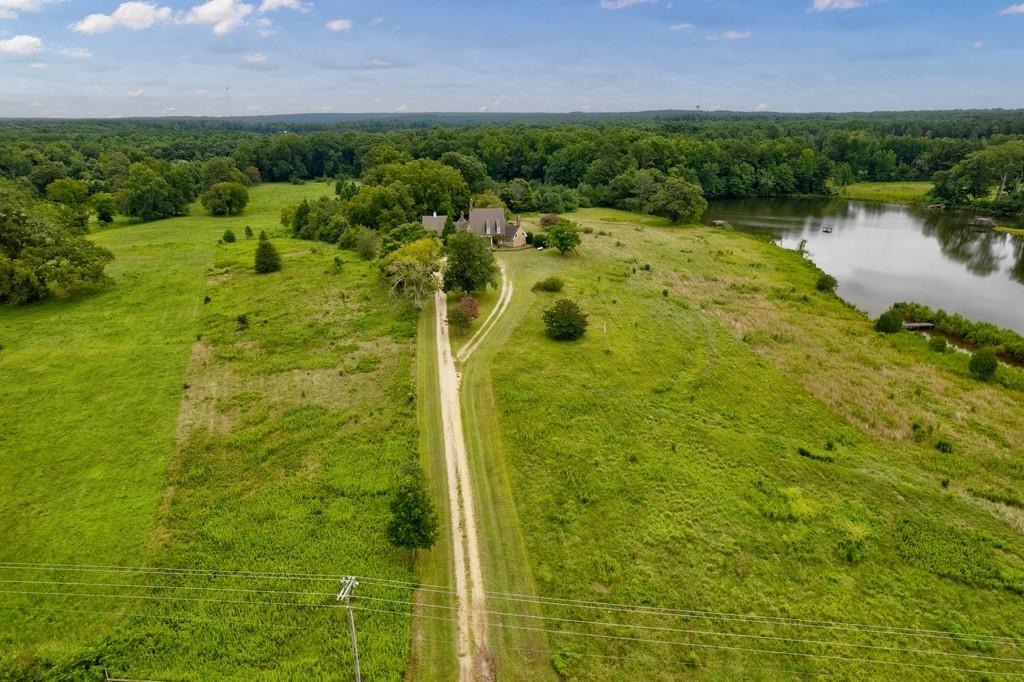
379	64
225	15
731	35
170	110
761	107
133	15
77	53
622	4
490	107
22	45
1013	9
836	5
376	21
978	44
254	107
136	93
339	25
272	5
10	9
256	58
401	107
681	27
38	65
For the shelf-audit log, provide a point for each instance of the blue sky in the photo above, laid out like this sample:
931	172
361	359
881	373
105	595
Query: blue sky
99	58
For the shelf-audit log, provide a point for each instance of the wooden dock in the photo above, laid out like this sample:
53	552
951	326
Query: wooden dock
918	326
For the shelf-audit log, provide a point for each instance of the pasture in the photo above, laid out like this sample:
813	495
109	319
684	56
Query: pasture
728	440
197	416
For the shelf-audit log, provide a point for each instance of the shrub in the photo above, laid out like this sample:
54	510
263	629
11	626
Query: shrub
228	237
242	321
565	320
564	236
984	364
889	323
248	232
827	283
464	314
944	446
804	452
549	219
551	284
367	245
540	240
267	257
938	344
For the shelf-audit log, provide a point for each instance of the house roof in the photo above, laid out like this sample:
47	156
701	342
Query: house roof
435	222
482	218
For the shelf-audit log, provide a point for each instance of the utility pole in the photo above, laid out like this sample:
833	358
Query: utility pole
347	585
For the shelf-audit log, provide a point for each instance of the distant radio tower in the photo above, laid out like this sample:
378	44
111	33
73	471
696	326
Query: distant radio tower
227	92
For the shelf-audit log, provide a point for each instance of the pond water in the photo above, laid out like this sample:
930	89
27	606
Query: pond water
884	253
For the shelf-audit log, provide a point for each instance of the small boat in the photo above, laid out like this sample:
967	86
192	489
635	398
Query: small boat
827	229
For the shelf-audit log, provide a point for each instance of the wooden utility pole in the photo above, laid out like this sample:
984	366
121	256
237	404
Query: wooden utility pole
347	585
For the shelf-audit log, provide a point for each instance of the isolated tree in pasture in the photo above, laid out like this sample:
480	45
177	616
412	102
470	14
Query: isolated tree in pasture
228	237
564	236
471	265
248	232
565	320
267	257
678	200
413	524
984	364
225	198
221	169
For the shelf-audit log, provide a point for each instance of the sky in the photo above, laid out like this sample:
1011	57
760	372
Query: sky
94	58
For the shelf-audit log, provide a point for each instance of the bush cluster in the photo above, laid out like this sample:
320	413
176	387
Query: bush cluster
1009	343
550	284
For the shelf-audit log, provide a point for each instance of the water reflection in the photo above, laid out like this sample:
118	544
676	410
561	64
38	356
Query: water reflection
883	253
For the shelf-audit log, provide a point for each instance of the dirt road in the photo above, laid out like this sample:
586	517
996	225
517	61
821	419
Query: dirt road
474	659
503	300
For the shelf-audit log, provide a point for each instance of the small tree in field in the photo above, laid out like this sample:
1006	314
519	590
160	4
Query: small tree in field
889	323
228	237
413	523
248	232
564	236
565	320
464	314
225	198
827	284
267	257
984	364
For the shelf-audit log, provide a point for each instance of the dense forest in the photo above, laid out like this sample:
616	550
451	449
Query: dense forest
390	169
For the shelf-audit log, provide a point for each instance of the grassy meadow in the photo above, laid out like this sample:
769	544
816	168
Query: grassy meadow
197	415
888	192
727	439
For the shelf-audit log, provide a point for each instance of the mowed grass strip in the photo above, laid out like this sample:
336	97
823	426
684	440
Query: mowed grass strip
658	462
888	192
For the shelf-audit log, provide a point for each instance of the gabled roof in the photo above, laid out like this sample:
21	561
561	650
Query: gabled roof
435	222
480	219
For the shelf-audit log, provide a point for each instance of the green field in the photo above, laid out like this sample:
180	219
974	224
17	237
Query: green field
144	427
888	192
727	439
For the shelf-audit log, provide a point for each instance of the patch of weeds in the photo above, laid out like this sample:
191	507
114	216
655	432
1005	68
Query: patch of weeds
944	446
1007	497
804	452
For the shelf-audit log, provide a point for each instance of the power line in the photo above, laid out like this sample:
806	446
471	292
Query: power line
522	598
653	628
721	647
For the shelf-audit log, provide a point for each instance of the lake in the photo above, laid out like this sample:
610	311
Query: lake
884	253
